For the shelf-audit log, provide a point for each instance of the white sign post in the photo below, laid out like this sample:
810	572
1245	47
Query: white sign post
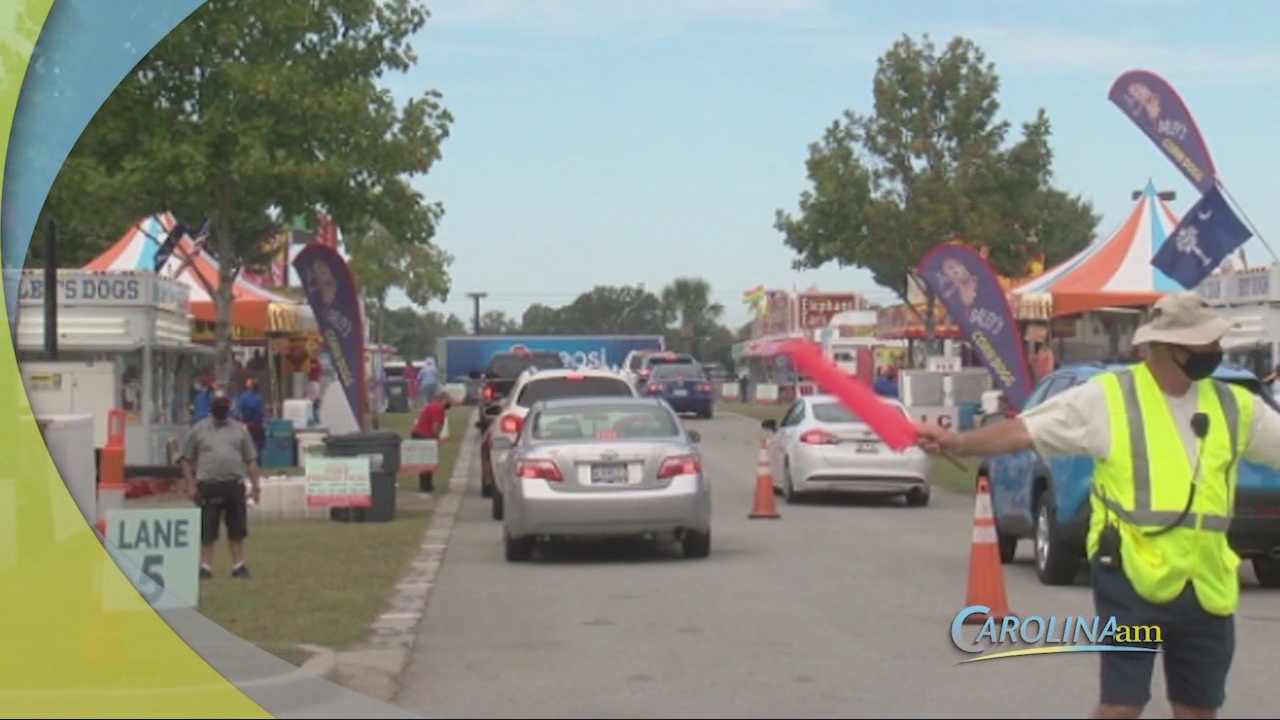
162	546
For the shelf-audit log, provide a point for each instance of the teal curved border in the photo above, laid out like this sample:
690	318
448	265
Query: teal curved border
85	49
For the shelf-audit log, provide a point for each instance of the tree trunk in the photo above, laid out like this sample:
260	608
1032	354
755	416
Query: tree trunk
224	295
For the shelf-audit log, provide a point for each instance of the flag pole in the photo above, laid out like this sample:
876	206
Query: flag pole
1248	221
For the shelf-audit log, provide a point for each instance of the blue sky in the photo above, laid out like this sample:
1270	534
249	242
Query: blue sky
625	141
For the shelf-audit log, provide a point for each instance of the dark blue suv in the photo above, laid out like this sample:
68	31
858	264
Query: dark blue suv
1047	500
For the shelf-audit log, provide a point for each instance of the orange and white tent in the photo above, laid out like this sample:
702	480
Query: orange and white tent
254	307
1114	271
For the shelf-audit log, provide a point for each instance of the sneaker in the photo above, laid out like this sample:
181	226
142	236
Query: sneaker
241	572
205	573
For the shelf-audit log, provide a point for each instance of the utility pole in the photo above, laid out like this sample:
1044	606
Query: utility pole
51	292
476	297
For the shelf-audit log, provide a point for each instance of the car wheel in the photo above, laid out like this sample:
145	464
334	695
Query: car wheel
1267	570
918	498
496	507
518	549
789	493
696	544
1055	563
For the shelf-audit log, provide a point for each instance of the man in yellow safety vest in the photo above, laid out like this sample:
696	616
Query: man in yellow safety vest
1167	440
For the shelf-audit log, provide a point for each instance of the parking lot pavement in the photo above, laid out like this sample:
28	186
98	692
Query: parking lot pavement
838	609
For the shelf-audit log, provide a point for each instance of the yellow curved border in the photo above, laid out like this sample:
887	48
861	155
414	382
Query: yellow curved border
66	652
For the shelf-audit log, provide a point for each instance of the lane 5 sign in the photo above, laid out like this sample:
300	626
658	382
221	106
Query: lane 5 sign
161	550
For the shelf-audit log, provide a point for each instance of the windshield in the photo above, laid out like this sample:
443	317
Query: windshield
833	412
656	360
510	366
604	422
690	372
553	388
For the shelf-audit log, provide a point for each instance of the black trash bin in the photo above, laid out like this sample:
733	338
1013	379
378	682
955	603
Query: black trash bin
383	449
397	395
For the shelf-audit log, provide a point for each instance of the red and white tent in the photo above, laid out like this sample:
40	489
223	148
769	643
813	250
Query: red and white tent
1114	271
254	307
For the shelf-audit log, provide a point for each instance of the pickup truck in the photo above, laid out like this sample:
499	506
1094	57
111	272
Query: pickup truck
501	374
1047	500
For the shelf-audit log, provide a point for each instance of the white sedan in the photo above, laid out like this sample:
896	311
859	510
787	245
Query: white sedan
820	446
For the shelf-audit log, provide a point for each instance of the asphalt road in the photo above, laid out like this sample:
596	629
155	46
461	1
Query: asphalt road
835	610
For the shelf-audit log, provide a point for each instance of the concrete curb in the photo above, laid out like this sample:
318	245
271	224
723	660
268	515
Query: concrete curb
376	668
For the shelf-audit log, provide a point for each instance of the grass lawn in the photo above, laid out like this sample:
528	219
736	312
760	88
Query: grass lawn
944	473
321	582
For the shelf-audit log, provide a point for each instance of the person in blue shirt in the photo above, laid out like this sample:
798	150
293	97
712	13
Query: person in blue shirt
200	403
251	411
886	383
428	381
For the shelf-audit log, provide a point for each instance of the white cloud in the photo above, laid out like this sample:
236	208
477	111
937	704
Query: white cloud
1050	51
581	18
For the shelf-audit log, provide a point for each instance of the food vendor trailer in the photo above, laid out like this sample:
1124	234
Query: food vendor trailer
124	341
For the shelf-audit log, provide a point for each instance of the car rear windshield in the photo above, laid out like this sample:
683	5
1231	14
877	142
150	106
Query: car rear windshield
604	422
636	361
510	366
656	360
554	388
837	413
691	372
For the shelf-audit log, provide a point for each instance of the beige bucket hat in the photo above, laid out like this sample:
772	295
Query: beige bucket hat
1182	319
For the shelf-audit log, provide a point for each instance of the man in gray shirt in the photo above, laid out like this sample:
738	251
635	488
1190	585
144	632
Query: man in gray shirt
216	458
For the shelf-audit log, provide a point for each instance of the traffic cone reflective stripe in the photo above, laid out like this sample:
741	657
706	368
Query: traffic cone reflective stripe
986	573
765	507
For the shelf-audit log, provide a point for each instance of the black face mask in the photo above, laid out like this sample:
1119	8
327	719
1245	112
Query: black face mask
1200	365
220	412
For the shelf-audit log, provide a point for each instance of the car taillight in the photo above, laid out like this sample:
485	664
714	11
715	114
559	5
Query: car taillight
704	387
818	437
574	376
539	470
644	373
510	424
489	392
679	465
655	389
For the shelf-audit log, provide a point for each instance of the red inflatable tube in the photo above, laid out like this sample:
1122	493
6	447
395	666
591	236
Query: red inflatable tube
890	424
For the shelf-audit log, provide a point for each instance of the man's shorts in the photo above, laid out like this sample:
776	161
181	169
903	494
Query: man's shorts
1197	648
222	500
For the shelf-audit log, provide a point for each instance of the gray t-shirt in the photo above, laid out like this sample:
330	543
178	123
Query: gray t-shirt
219	452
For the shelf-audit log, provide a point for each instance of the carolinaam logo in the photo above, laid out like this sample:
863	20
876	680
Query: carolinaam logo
1014	636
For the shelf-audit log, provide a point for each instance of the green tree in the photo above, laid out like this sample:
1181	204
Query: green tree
416	334
496	322
540	319
251	111
381	263
688	303
931	162
615	310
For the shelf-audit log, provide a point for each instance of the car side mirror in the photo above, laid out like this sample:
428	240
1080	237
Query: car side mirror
695	437
769	425
501	443
492	409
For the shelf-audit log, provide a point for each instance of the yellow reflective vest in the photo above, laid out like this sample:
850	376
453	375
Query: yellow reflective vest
1144	483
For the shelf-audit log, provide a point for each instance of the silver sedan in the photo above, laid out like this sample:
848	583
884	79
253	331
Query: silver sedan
603	467
819	446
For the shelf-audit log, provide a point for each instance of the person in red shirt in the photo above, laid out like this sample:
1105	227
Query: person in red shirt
429	426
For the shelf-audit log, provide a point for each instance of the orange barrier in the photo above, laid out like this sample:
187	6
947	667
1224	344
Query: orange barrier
766	507
986	573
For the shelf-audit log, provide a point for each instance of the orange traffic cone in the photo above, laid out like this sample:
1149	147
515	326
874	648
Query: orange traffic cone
766	508
986	574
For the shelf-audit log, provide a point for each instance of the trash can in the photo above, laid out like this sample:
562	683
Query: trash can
397	395
383	450
279	448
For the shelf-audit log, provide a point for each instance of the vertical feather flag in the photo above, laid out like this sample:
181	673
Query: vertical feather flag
1157	109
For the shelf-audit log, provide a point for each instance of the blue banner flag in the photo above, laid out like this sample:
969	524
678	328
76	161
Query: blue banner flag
971	291
166	248
334	297
1208	233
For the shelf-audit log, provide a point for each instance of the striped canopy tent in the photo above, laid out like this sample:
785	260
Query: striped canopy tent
254	308
1114	271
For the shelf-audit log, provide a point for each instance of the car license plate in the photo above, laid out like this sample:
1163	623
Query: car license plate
680	393
866	447
608	474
